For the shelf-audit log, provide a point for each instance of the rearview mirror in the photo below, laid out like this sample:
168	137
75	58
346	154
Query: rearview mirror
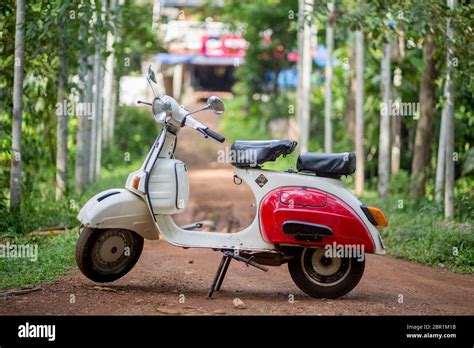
216	105
151	74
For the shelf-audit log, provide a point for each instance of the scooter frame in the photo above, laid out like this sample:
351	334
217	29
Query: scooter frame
132	209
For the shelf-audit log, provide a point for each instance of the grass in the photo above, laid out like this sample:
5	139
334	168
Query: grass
55	253
418	232
55	256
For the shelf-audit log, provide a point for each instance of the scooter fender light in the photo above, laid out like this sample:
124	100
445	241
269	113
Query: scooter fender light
136	182
378	216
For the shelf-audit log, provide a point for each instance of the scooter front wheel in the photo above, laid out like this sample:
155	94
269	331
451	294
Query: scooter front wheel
107	255
325	277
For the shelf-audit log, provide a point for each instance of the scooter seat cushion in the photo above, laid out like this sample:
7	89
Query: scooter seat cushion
331	165
254	153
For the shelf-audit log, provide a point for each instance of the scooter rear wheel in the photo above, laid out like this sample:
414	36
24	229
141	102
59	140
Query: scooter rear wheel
107	255
325	277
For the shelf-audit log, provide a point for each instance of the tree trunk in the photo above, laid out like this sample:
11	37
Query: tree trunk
89	99
305	76
396	143
96	136
422	148
62	125
449	105
398	54
100	104
96	118
294	130
15	171
108	84
384	135
328	78
441	162
83	127
113	106
359	112
99	124
351	92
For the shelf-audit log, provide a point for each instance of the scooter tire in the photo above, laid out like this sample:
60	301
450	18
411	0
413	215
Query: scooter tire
101	262
330	286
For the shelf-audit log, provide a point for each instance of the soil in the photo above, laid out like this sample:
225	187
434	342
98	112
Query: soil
174	281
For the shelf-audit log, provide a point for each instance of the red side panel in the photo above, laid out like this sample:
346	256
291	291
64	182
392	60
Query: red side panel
297	196
312	206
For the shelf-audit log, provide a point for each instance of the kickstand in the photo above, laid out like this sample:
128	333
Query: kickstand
223	267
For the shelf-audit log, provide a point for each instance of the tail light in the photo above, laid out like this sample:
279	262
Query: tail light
375	216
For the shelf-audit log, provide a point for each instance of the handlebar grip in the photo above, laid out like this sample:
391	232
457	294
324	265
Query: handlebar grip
214	135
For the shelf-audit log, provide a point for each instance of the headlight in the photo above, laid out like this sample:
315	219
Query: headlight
160	109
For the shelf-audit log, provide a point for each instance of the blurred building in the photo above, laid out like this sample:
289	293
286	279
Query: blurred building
201	56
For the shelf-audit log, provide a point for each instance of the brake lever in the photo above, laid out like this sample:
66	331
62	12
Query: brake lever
200	130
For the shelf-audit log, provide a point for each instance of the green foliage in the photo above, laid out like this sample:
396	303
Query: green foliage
270	27
137	40
55	256
237	125
418	232
277	20
40	209
48	27
56	29
135	131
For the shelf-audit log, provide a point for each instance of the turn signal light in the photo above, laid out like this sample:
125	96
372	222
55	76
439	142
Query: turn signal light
378	216
136	181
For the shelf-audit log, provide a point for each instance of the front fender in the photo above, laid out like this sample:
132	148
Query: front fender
119	208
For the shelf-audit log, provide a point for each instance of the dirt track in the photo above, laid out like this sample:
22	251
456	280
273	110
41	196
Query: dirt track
174	281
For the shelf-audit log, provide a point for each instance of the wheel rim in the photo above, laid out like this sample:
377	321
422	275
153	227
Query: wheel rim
112	250
322	270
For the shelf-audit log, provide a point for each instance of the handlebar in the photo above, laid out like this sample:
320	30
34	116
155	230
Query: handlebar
188	120
209	132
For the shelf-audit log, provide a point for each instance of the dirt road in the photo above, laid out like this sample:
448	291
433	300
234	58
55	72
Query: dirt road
174	281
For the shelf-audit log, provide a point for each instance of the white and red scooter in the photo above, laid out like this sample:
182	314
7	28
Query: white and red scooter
305	218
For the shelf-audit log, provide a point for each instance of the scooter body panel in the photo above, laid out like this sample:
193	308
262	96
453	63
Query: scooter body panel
168	186
323	219
262	183
119	208
332	187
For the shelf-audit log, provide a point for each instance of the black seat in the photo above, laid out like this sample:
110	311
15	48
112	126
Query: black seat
254	153
331	165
